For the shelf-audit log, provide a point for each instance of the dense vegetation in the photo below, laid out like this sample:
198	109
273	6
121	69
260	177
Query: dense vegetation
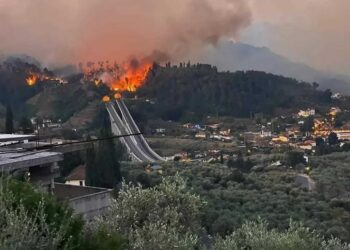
185	92
31	220
48	98
164	217
235	195
193	91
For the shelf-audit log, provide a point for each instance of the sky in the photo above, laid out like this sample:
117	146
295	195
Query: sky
314	32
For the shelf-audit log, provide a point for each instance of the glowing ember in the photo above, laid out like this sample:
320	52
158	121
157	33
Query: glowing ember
117	96
106	99
32	79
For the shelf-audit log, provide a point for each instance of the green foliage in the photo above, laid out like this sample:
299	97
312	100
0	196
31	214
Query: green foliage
164	217
103	168
57	215
257	236
70	162
36	220
102	239
308	124
25	125
293	158
333	139
200	90
240	163
273	194
9	128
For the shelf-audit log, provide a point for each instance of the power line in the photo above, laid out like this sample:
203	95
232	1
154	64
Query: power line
47	147
87	141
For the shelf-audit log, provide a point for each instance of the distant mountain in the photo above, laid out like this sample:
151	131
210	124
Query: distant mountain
230	56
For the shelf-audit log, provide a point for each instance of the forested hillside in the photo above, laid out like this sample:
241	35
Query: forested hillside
179	93
199	90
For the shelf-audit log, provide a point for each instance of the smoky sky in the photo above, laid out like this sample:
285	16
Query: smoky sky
315	32
66	31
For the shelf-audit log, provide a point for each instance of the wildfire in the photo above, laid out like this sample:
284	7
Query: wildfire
32	79
126	77
132	78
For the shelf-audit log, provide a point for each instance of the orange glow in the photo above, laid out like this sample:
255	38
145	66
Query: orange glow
132	78
126	77
31	79
117	96
106	99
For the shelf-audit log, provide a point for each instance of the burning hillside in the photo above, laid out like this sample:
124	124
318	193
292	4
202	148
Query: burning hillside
120	78
31	79
34	78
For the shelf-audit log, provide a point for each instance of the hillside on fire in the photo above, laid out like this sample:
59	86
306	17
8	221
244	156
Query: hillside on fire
183	92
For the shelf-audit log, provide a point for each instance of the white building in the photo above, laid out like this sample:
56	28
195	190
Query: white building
307	113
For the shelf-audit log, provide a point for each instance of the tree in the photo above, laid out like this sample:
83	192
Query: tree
321	147
333	139
257	236
26	125
90	163
9	129
164	217
293	158
308	125
338	121
33	220
36	220
107	165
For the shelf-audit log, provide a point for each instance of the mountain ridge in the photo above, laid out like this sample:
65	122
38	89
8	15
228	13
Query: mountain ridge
231	56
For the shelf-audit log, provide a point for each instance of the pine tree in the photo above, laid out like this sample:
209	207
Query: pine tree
90	166
9	120
106	172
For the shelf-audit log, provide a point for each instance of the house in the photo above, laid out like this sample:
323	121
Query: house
77	176
154	168
343	134
201	135
307	113
266	133
225	132
336	96
251	137
213	126
281	139
334	111
160	130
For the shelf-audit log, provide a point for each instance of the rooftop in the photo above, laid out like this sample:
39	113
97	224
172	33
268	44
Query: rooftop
15	137
10	161
79	173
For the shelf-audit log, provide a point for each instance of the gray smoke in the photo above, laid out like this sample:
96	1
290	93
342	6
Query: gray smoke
62	31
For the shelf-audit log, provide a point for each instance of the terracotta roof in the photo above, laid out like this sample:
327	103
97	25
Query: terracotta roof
79	173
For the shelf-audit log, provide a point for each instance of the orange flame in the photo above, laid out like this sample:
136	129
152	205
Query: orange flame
127	77
133	78
32	79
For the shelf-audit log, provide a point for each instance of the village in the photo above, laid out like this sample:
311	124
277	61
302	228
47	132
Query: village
306	131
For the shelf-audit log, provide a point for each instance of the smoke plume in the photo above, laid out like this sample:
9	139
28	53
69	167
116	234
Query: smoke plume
61	31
